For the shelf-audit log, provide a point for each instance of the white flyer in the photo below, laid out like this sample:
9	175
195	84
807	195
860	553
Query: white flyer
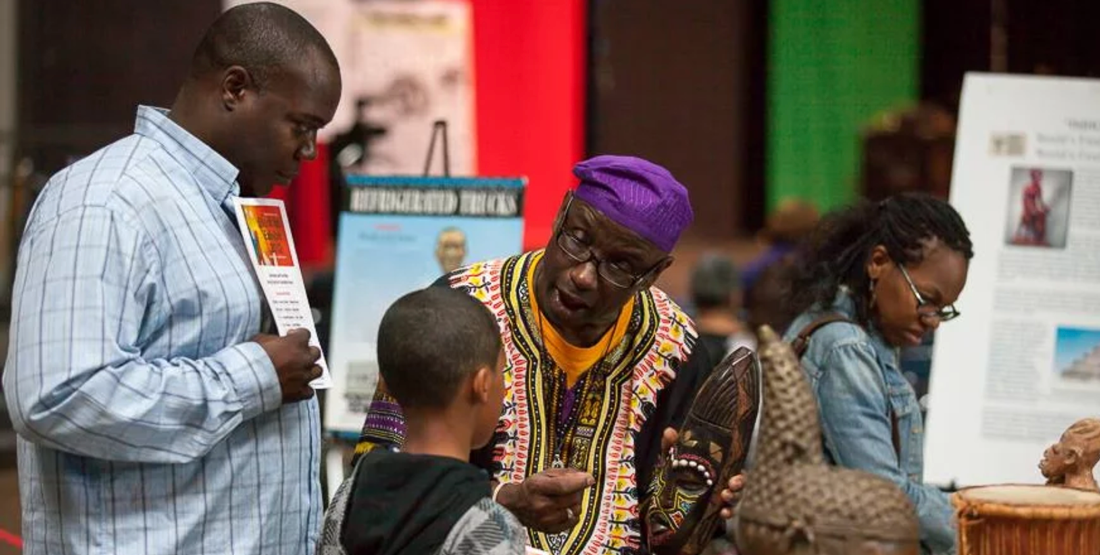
1023	362
270	245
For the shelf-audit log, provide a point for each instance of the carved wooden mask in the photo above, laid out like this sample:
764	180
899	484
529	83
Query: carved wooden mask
681	511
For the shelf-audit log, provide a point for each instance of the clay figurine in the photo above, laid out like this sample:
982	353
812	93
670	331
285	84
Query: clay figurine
682	509
1069	463
793	503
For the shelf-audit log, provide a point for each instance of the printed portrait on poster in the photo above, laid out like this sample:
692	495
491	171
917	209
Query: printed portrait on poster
1038	207
450	249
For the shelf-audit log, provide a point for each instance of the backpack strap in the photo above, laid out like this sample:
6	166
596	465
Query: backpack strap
802	342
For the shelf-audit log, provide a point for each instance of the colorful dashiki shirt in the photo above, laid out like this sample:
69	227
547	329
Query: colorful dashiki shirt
613	401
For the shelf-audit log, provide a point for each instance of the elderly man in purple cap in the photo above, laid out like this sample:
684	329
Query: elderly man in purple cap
598	370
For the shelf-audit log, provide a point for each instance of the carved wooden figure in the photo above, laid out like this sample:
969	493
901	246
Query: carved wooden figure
1070	462
682	509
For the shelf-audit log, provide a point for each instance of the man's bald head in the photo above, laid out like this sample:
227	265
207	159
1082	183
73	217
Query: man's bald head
263	81
264	38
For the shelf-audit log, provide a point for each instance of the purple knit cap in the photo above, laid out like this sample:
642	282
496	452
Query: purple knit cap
636	194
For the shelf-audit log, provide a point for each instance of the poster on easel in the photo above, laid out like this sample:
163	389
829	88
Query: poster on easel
1023	362
397	235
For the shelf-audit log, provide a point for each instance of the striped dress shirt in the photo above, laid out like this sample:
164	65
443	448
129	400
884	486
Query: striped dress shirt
148	422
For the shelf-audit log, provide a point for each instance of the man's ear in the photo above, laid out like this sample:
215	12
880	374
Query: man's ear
481	383
651	278
236	80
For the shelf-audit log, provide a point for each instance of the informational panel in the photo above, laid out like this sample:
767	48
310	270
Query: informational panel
1023	361
397	235
412	63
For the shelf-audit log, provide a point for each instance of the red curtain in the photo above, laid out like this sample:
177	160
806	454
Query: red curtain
529	61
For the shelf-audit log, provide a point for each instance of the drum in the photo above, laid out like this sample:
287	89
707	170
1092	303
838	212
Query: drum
1027	520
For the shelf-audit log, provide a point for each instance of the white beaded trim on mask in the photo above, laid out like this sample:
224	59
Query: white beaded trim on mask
682	463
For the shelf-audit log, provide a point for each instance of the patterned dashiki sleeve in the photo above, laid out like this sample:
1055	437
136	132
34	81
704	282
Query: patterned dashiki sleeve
384	425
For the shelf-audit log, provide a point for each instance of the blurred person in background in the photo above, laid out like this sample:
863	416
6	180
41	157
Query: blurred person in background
765	278
787	225
716	295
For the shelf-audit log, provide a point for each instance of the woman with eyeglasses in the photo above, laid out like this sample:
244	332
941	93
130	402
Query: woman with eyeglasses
874	278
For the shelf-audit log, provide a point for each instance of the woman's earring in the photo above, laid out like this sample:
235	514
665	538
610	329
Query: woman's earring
871	289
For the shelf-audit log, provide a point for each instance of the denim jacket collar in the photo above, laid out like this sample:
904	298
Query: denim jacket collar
844	304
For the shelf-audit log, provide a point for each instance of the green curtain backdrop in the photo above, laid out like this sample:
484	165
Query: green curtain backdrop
832	66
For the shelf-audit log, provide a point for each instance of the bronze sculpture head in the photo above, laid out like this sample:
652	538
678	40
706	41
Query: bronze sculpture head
682	509
793	503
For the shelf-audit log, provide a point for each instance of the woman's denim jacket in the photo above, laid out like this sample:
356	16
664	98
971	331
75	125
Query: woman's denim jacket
857	383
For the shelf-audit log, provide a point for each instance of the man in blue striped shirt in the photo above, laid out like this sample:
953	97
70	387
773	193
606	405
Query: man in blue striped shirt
153	416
